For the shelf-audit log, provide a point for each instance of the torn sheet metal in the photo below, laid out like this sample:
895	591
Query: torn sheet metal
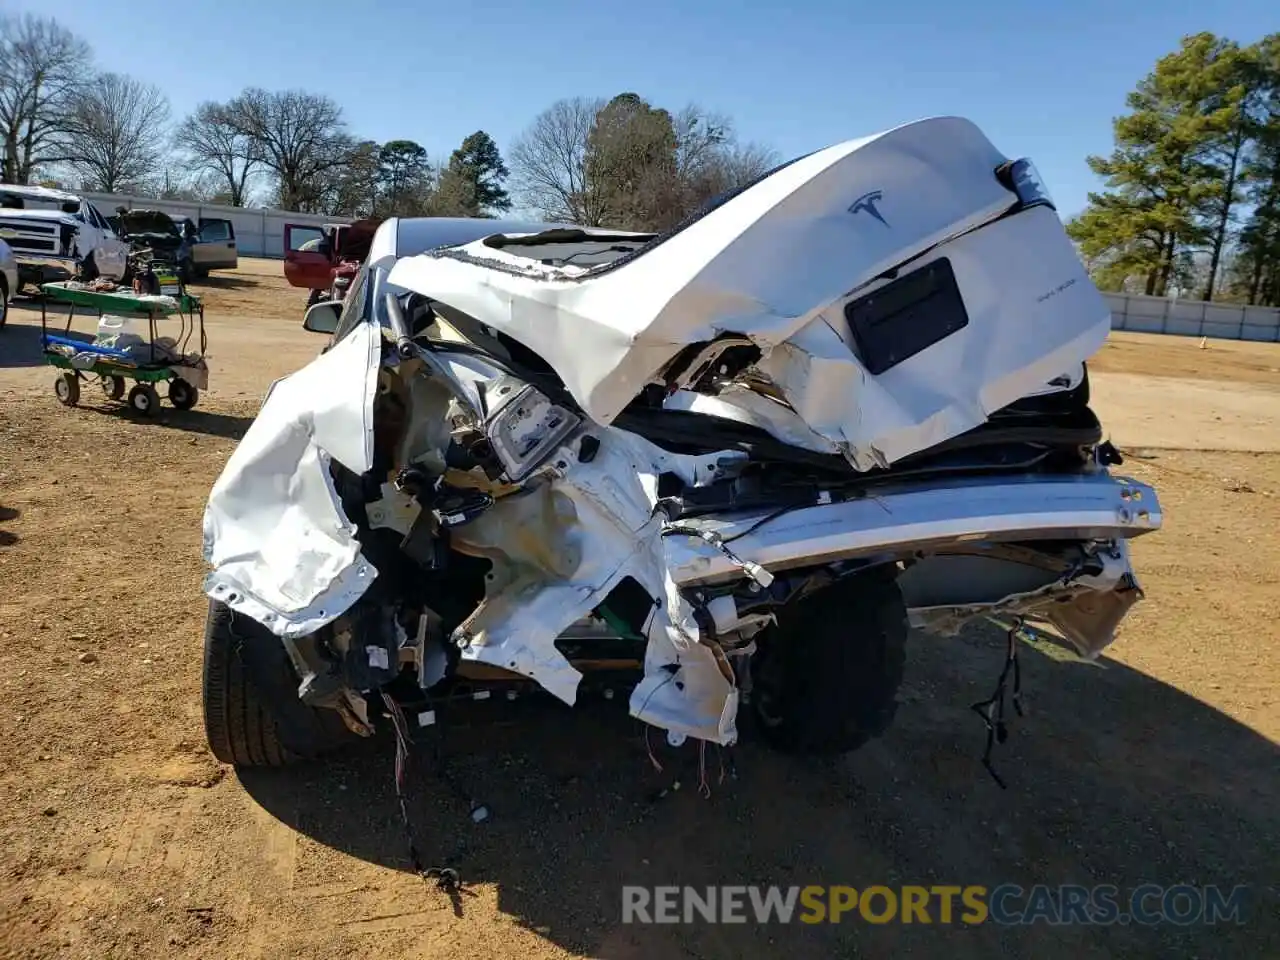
284	553
282	550
779	262
1085	609
560	547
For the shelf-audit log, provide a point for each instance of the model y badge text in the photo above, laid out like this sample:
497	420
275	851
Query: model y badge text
868	203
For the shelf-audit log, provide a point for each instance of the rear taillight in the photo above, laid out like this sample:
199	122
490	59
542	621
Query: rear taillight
1022	177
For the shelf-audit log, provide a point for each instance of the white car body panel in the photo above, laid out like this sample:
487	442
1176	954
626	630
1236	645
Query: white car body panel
281	549
778	264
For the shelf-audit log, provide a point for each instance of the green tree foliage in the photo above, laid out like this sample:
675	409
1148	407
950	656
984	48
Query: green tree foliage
1188	161
631	162
1257	273
628	164
473	180
403	178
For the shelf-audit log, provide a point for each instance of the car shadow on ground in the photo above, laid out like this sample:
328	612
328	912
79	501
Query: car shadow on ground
1113	778
20	338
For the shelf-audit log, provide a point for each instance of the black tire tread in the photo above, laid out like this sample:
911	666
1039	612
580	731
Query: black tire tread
843	651
236	726
240	655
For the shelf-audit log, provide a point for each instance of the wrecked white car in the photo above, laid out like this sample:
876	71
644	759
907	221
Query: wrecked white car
731	463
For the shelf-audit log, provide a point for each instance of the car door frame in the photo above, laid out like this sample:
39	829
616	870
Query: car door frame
110	253
220	254
310	269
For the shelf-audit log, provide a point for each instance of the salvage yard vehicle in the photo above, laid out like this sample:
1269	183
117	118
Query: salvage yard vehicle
59	236
193	249
325	259
731	463
214	245
155	238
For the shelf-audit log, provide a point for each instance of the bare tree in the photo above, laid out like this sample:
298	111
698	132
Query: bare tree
709	159
176	182
217	144
301	138
549	163
626	163
42	65
115	132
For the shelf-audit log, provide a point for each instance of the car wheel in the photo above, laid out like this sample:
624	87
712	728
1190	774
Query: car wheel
825	678
252	714
89	269
4	303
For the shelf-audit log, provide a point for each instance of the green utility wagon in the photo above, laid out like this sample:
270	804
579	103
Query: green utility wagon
143	361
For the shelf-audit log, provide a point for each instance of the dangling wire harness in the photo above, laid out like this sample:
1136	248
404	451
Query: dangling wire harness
991	710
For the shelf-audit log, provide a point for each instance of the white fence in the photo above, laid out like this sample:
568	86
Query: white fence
1193	318
259	233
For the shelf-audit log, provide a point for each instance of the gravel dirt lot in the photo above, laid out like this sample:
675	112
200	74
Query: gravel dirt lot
120	836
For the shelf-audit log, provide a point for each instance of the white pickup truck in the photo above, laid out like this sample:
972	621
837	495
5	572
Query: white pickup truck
56	235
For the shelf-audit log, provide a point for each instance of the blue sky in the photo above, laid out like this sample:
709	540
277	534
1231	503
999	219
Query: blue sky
1042	79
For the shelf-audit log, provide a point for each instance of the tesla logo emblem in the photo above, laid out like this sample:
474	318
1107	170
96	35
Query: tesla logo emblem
868	203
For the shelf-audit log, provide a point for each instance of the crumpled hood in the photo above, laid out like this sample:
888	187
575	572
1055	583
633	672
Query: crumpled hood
780	262
137	222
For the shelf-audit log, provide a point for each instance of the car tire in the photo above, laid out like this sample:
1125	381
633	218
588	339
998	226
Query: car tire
252	714
825	678
4	302
89	269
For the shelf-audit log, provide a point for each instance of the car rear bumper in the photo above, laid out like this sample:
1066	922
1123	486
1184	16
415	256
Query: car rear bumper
903	519
1084	604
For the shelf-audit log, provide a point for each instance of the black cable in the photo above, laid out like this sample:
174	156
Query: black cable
991	710
552	261
767	518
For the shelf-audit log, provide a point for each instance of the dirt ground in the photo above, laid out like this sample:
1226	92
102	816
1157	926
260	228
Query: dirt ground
120	836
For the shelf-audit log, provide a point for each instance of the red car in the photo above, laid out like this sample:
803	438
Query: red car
324	259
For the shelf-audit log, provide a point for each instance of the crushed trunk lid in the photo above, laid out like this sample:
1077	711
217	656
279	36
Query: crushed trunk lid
885	319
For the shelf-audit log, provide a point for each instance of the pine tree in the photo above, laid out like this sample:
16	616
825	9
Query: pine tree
476	172
1166	191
